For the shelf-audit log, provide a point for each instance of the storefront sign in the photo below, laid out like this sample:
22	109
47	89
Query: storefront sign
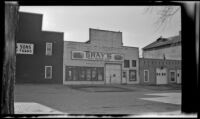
24	48
88	55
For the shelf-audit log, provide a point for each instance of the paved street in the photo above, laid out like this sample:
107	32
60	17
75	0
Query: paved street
114	99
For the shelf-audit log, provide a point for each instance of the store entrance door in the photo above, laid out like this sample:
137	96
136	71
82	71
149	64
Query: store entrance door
113	74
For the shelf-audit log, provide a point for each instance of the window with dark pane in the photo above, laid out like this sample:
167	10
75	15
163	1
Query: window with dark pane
100	74
75	73
126	64
133	63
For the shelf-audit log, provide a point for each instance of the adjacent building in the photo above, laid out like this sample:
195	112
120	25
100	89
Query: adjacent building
101	60
39	54
161	62
164	48
159	71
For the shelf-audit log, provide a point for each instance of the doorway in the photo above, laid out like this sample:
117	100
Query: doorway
113	74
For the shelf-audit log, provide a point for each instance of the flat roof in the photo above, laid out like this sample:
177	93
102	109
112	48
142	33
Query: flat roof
105	30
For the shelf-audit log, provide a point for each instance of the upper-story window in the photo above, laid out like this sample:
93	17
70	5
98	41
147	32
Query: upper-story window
126	64
133	63
48	49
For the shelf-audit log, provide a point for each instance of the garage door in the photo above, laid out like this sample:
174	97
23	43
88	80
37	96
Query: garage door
161	76
179	76
113	74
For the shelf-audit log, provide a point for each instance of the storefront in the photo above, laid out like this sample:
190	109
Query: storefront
95	63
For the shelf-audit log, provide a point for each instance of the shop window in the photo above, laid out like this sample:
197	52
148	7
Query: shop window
48	72
133	63
94	74
75	73
146	75
68	73
100	74
126	64
88	74
132	75
81	73
48	49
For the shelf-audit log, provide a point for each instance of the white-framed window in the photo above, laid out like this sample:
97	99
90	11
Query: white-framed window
48	49
48	72
146	75
172	76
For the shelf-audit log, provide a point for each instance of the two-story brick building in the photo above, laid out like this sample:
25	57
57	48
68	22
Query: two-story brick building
161	62
168	48
39	54
101	60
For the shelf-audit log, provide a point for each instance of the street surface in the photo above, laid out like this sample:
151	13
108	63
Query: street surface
98	99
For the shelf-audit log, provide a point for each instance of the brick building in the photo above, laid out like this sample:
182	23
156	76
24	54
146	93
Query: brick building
101	60
164	48
159	71
39	54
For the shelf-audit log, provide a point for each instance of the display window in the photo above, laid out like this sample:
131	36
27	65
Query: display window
68	72
82	73
76	73
100	74
88	74
94	74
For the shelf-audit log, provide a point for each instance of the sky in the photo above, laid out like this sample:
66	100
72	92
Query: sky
137	26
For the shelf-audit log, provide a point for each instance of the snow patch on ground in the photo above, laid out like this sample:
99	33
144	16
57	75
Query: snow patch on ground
34	108
172	98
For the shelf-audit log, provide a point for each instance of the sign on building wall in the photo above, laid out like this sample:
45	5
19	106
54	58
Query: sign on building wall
88	55
24	48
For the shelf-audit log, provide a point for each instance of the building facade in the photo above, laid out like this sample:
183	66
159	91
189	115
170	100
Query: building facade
101	60
164	48
39	54
159	71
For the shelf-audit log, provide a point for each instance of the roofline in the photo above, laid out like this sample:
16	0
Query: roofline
158	47
168	38
53	32
74	42
31	13
105	30
158	59
130	47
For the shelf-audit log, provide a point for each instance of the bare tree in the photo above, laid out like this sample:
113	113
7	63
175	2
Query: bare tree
9	58
165	14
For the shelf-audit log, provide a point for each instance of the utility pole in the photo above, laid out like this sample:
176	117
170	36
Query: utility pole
9	58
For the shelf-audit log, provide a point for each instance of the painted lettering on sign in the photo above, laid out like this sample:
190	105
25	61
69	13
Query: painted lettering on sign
24	48
88	55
